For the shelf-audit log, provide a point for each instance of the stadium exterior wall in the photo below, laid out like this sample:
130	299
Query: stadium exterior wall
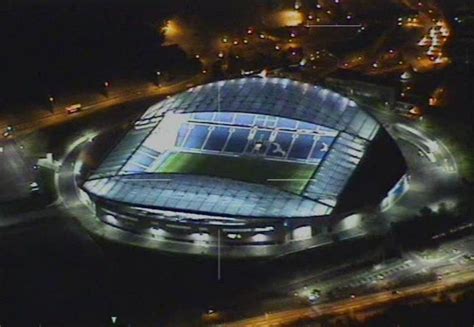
233	230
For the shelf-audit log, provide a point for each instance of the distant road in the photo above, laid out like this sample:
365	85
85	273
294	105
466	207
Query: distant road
60	116
367	302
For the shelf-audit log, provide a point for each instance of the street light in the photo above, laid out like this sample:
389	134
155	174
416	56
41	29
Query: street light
157	75
106	86
51	102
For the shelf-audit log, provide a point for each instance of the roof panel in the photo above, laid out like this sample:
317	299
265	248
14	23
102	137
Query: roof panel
278	118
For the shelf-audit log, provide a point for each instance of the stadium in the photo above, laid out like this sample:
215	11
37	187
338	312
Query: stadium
250	165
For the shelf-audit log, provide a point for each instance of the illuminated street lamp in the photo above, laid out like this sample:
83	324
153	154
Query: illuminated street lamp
51	103
106	88
158	77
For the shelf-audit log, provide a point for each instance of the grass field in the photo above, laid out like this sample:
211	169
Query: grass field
253	170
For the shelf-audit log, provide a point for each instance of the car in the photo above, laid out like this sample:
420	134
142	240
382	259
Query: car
312	299
74	108
9	131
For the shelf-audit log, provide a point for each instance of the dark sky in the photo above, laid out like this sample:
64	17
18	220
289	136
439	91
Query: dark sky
58	44
49	46
52	45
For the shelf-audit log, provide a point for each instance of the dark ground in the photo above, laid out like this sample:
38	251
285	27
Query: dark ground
54	273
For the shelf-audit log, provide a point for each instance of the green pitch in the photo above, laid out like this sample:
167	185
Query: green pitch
291	177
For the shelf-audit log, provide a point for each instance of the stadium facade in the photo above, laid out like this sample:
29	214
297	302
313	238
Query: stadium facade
244	162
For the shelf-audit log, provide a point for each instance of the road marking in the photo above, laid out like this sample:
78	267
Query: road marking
334	25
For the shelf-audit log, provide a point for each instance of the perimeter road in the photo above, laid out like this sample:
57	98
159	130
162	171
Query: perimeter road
367	302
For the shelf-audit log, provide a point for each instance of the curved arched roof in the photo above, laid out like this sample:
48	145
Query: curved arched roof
331	129
272	96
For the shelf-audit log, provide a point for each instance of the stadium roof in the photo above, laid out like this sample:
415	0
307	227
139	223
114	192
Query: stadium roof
247	147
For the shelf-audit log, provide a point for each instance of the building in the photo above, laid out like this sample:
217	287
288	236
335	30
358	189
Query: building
259	162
